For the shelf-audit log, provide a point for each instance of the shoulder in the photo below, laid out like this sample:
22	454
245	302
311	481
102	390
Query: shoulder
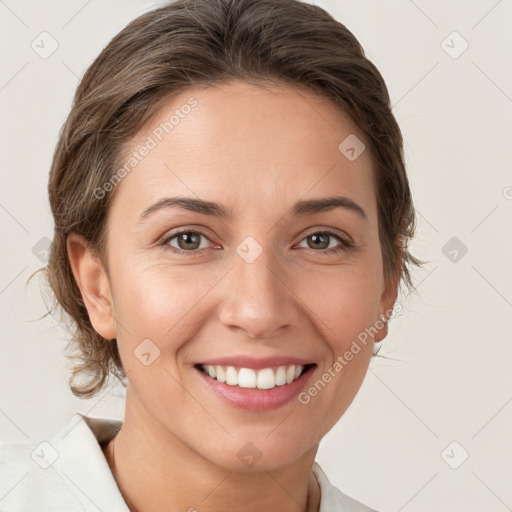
332	499
67	473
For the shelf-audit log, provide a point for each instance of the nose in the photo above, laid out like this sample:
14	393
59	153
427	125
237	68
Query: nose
259	298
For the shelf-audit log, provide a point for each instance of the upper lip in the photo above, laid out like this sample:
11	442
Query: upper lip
256	363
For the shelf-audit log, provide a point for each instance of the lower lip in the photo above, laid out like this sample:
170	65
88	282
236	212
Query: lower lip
257	399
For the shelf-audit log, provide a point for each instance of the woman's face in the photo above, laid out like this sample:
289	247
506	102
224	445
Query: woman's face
262	281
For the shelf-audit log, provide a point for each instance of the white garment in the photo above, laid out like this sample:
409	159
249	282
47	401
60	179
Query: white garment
70	474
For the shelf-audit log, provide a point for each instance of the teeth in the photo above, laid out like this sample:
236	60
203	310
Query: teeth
221	374
280	376
266	378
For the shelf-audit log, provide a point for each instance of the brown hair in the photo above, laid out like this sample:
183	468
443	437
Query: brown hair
196	42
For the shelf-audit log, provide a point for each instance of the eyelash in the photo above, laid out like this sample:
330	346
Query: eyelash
345	245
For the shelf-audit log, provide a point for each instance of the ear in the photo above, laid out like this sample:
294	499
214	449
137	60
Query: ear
93	282
387	302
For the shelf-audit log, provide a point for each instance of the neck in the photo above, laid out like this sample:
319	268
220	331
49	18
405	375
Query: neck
168	476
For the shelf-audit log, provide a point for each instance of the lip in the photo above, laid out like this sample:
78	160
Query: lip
256	363
257	400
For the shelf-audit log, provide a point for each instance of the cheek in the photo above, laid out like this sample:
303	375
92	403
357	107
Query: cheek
345	302
161	304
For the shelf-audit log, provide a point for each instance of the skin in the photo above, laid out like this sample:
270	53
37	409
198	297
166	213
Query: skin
257	151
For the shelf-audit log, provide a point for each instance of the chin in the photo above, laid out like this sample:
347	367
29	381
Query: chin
252	456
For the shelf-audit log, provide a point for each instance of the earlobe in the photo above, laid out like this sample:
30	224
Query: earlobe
93	282
382	326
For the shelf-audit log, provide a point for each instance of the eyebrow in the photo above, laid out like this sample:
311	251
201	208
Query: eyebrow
303	207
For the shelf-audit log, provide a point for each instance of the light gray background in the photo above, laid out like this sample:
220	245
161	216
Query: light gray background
446	376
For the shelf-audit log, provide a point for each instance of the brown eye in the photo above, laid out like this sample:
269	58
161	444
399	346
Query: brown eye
188	240
320	241
188	243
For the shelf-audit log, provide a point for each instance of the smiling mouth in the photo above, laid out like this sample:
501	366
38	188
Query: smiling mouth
264	378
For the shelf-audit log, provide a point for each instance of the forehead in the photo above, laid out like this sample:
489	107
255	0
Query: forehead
246	145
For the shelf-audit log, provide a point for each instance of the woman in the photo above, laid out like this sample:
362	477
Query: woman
232	216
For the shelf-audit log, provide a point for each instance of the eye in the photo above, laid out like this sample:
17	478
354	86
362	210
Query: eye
188	241
320	240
